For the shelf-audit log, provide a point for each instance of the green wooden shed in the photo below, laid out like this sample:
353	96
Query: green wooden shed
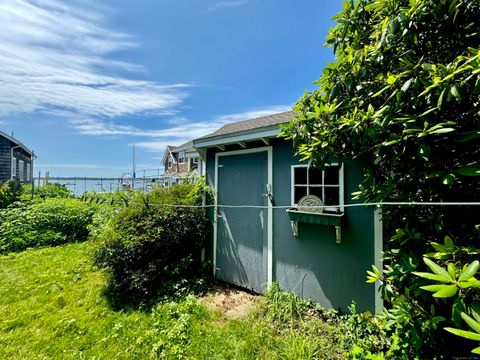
261	234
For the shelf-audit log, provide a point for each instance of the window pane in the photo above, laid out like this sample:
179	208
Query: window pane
315	176
317	191
331	175
299	193
332	197
300	175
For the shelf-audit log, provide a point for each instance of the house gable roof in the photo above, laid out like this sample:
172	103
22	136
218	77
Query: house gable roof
16	142
246	130
187	147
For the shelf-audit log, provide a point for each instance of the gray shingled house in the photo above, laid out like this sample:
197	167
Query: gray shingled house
16	160
264	230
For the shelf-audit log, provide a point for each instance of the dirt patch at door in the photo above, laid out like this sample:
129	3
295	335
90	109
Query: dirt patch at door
233	302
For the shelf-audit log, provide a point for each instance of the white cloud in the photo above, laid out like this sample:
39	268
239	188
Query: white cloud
226	4
101	128
57	55
159	146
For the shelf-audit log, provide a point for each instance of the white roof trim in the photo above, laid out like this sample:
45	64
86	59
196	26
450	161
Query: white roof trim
236	138
165	156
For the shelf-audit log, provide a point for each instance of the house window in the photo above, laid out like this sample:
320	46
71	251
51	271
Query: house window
181	157
21	169
14	167
29	172
170	161
327	184
193	163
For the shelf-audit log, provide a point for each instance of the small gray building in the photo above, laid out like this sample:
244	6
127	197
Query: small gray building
16	160
264	231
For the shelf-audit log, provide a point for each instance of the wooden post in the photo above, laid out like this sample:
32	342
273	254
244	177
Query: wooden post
31	174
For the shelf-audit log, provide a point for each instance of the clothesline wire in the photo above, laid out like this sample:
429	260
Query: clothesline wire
376	204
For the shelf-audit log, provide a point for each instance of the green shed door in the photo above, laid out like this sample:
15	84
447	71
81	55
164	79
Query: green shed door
241	253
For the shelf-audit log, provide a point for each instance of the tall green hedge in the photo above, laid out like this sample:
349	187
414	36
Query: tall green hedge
404	95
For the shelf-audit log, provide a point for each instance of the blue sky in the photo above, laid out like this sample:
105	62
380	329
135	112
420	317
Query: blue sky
84	80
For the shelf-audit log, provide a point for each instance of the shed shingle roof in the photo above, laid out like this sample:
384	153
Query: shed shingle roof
252	124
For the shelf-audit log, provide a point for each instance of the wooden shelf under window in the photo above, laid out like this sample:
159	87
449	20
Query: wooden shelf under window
329	219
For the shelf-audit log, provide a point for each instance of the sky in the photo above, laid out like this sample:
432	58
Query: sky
82	81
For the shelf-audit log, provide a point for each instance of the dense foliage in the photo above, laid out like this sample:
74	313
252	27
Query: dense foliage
10	192
48	191
44	223
151	250
403	95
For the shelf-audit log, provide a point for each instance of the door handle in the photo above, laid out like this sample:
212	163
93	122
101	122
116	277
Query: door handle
268	195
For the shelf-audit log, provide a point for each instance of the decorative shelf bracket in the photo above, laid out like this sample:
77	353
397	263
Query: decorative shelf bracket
297	217
294	225
338	234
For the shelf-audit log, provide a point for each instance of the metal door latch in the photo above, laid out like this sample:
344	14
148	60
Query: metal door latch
268	194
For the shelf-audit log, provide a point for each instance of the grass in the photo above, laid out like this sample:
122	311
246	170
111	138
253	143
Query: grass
52	306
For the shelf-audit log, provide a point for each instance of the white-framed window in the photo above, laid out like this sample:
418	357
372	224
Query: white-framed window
21	168
181	157
29	172
170	161
193	163
14	167
327	184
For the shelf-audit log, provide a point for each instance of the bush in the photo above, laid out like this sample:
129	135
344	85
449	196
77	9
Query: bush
10	192
402	95
45	192
152	250
46	223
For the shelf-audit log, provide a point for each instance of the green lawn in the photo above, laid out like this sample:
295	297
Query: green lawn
52	307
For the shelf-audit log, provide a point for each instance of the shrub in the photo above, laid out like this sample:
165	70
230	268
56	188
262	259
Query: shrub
45	192
402	95
152	250
46	223
10	192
